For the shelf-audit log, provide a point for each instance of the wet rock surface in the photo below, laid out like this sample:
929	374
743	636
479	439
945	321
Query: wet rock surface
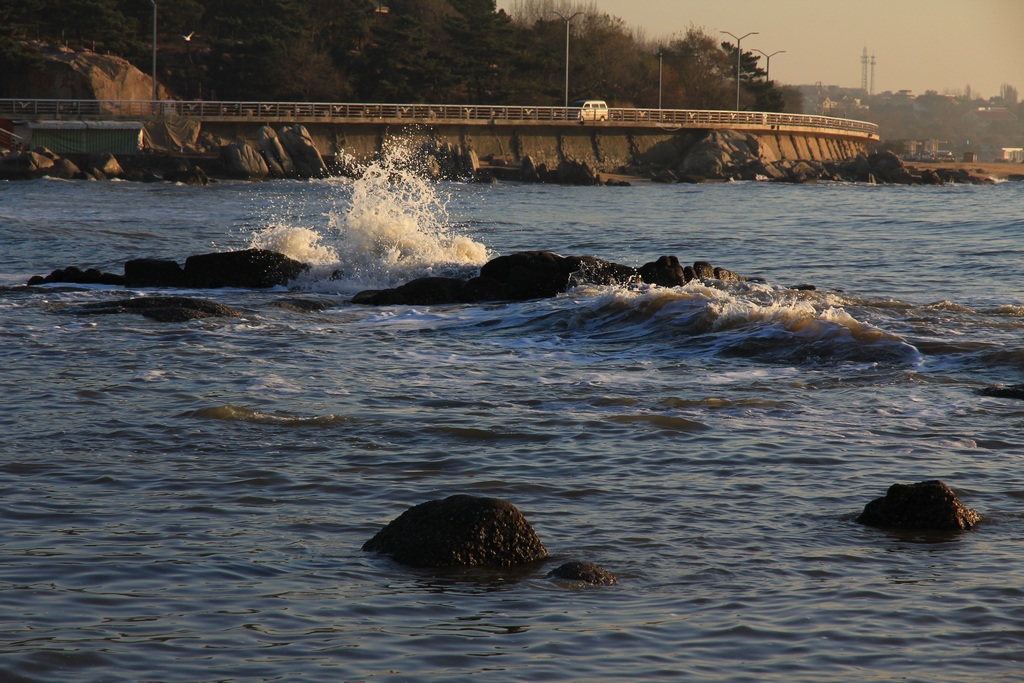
927	505
249	268
539	274
160	308
583	572
460	530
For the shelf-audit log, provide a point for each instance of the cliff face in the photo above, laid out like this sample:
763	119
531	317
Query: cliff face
63	73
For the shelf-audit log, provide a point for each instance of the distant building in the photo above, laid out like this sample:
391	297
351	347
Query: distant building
1013	154
994	115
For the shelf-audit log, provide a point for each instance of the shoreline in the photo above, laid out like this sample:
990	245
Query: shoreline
997	170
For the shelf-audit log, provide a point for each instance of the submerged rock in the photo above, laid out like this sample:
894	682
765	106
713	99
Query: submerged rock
165	309
303	305
1012	391
77	276
926	505
460	530
583	572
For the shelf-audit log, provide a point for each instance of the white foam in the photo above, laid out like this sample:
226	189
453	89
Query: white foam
390	225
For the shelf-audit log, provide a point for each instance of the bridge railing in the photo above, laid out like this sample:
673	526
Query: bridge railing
51	109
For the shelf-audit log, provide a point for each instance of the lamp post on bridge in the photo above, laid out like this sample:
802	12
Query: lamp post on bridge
154	51
739	55
768	63
661	55
567	20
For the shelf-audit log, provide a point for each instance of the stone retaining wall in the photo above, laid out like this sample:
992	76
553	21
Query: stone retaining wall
604	148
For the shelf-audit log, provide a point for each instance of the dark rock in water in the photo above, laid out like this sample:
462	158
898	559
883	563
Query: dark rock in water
424	291
573	172
728	275
583	572
530	274
704	270
665	272
187	174
165	309
538	274
459	530
75	275
665	176
151	272
303	305
1012	391
926	505
251	268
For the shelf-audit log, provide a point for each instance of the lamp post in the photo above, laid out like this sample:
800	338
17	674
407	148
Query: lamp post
768	64
567	20
739	54
154	50
661	55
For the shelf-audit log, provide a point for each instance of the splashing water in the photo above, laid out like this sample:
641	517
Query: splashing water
392	227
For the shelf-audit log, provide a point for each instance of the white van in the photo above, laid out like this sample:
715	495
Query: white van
591	110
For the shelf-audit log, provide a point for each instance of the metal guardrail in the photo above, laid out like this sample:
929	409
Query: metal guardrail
15	108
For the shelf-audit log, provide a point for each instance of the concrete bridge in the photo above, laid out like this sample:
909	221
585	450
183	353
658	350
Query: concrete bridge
495	133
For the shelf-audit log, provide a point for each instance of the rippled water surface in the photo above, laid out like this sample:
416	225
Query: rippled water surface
187	501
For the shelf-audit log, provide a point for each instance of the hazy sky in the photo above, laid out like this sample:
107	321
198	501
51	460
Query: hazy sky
918	44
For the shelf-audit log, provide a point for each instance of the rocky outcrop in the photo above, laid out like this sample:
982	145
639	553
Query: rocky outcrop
161	308
250	268
459	531
442	160
583	572
244	162
77	276
24	165
539	274
722	154
926	505
63	73
278	162
186	173
300	147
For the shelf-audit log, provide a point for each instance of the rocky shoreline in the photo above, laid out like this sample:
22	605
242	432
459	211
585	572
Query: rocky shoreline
720	155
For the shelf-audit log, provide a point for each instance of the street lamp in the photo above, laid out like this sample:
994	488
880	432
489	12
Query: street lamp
739	53
154	49
768	63
567	20
660	57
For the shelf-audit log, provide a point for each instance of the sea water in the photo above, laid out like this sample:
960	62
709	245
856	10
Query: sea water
187	501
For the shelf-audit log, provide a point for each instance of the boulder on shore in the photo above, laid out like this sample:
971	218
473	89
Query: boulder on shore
926	505
299	145
459	531
242	161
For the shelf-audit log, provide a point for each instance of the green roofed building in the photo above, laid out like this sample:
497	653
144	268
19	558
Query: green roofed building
69	137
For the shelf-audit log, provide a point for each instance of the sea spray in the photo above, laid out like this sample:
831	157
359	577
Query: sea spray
389	225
